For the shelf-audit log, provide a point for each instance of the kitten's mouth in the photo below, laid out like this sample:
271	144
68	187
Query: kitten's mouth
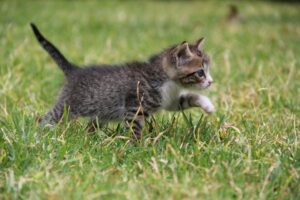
206	86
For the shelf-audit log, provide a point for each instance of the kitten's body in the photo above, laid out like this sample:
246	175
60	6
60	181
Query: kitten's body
132	91
107	92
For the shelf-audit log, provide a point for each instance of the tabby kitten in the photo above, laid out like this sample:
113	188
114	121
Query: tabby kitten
131	91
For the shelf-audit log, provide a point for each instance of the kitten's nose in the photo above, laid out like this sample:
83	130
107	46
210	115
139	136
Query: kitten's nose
210	82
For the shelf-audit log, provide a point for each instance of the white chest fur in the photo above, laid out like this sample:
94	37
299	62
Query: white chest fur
170	93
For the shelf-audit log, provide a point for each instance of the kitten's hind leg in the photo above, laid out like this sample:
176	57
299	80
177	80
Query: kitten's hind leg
53	116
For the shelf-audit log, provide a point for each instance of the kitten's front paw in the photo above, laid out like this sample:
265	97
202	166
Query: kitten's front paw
206	105
209	108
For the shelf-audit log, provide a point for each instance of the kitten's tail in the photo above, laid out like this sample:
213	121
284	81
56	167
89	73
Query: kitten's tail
60	60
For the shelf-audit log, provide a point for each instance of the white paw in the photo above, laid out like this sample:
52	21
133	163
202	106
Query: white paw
206	104
209	108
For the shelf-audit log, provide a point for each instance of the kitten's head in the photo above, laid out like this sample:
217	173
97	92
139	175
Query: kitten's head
188	65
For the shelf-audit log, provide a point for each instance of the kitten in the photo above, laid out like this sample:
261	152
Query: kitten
133	90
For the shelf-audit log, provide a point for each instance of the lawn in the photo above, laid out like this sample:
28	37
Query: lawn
248	149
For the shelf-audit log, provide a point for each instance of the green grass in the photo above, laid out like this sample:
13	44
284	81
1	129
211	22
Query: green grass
248	149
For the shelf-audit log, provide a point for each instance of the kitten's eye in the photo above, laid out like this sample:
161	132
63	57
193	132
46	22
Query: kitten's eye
200	72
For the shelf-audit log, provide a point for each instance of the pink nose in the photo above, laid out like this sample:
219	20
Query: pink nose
210	82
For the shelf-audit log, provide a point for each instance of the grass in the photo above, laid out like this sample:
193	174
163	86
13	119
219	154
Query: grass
248	149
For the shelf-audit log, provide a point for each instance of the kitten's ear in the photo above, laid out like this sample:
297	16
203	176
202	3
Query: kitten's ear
182	53
199	43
